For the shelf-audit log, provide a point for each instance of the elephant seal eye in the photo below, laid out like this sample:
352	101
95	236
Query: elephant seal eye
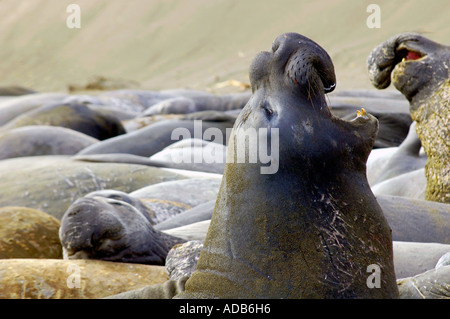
267	109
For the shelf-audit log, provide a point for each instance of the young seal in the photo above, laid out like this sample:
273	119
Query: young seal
420	70
312	229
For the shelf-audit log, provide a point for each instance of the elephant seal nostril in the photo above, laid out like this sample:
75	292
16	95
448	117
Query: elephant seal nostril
330	88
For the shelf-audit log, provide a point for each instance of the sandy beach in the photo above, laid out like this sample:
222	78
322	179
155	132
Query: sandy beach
197	44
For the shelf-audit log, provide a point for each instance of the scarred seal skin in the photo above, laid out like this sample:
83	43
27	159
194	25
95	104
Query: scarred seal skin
419	69
312	228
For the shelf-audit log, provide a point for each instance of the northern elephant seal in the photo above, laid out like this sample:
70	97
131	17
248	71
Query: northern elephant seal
73	279
78	117
36	140
17	106
28	233
313	228
154	138
420	70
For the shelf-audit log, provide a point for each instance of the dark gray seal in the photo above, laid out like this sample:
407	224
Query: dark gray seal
124	197
189	103
38	140
154	138
142	160
78	117
420	71
312	229
196	214
97	227
180	101
416	220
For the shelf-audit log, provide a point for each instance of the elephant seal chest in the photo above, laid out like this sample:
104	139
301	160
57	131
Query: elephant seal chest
433	128
311	227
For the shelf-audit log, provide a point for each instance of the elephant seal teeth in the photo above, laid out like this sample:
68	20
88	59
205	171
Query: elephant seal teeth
361	113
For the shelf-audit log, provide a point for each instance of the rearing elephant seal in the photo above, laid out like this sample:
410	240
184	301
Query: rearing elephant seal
312	228
420	70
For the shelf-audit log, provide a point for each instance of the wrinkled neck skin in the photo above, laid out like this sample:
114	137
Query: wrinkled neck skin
297	235
312	142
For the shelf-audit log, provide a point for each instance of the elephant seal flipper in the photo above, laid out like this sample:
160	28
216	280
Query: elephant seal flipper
313	227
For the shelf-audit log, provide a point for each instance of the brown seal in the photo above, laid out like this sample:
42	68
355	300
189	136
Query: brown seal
419	69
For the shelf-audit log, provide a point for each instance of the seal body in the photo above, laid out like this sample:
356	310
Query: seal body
312	228
36	140
77	117
153	138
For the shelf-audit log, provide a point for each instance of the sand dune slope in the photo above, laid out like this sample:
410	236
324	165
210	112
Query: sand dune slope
196	44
